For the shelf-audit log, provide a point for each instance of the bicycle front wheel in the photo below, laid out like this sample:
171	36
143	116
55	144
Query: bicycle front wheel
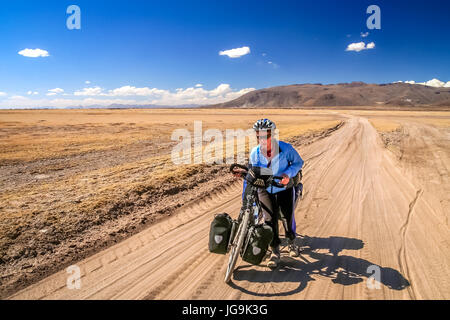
237	245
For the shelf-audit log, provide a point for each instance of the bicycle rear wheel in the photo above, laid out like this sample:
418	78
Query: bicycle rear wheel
237	245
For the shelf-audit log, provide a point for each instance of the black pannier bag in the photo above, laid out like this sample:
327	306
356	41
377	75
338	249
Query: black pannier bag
257	242
219	233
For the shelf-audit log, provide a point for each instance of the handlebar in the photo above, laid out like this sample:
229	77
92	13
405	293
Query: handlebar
290	184
279	185
234	165
270	179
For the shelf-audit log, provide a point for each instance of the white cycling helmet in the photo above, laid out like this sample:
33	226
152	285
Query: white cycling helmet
264	125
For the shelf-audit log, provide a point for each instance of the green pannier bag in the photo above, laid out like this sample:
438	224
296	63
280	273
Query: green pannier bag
258	240
219	233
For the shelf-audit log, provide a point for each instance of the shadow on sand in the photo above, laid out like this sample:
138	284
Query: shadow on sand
342	270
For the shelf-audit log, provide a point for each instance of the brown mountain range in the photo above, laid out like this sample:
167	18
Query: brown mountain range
342	94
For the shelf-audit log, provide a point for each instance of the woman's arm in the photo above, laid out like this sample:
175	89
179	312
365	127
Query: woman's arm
296	162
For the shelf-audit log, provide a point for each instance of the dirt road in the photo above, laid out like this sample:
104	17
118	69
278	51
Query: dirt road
364	214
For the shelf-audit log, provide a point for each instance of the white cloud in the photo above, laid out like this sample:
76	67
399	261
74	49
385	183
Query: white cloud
141	96
221	93
235	53
198	85
274	65
95	91
22	102
241	92
358	46
2	94
400	81
436	83
56	90
87	82
133	91
410	82
18	98
430	83
364	34
33	53
222	89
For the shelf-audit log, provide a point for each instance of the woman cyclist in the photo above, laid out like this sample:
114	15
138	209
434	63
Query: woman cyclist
280	159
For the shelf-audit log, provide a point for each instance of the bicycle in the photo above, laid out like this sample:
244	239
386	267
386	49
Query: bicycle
244	222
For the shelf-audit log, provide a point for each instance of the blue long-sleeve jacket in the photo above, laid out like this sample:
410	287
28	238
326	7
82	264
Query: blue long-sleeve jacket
287	161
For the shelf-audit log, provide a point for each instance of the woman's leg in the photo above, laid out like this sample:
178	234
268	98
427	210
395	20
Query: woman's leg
267	205
286	201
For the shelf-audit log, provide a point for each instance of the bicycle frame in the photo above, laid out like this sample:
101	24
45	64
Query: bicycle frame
239	230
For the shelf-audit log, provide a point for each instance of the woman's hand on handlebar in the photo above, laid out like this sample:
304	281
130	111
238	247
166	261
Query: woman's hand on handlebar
285	179
238	172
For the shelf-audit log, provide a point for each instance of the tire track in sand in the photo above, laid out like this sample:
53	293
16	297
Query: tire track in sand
402	252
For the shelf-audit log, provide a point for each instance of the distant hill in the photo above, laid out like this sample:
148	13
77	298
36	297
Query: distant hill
341	94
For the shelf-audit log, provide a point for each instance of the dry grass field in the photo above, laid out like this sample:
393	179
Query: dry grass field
74	181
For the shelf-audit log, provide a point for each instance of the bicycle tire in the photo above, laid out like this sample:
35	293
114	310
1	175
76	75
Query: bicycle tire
240	237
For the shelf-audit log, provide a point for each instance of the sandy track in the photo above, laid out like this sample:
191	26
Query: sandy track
362	211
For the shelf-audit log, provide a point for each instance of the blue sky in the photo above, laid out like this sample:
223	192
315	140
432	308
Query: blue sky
143	51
